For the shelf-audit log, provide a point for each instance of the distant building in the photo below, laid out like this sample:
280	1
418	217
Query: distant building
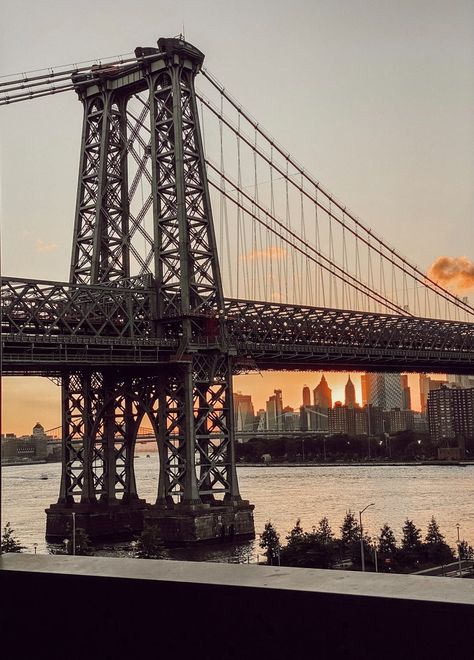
26	448
261	420
384	390
349	393
420	422
275	411
400	420
406	393
313	418
451	414
428	385
363	385
306	396
322	394
354	420
461	381
244	415
291	419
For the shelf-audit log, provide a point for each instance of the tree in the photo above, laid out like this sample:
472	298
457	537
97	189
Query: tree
387	544
466	551
433	534
324	532
296	533
150	544
270	542
411	539
350	530
83	544
9	542
436	548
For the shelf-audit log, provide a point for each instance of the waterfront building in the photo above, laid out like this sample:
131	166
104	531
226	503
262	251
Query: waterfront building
384	390
26	448
275	411
400	420
451	414
427	385
420	422
349	393
352	420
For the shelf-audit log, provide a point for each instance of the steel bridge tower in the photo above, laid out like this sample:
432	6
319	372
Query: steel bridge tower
188	395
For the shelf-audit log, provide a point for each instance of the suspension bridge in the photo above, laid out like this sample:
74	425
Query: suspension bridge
201	249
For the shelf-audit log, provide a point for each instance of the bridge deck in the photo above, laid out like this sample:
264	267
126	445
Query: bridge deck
50	326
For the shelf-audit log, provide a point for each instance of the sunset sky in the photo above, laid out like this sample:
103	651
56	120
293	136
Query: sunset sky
375	99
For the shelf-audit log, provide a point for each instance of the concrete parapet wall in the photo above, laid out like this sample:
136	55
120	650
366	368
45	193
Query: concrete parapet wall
89	607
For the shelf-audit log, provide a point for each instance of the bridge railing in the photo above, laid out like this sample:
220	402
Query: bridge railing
55	308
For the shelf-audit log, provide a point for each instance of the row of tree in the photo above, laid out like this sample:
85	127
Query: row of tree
321	549
403	446
148	546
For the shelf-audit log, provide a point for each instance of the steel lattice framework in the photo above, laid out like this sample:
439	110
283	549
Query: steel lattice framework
142	329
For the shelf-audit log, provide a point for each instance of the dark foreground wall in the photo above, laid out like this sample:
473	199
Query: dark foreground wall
88	607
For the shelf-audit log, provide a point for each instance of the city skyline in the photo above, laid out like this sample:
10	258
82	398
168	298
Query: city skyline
27	400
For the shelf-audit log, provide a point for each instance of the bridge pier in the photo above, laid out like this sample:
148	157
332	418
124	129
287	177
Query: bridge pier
205	522
101	520
180	523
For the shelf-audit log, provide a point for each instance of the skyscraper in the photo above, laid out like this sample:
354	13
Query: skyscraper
349	393
406	394
306	396
363	383
384	391
275	411
244	415
322	394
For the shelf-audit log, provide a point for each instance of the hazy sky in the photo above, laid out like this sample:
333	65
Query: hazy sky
374	98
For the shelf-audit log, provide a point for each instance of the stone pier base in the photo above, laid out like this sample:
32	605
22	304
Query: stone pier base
100	521
204	522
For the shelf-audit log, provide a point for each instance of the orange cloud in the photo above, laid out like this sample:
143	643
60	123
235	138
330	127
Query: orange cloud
41	246
269	253
454	272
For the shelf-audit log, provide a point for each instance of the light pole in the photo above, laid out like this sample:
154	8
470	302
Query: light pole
459	551
362	557
375	558
73	532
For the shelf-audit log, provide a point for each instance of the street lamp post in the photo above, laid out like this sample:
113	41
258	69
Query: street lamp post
73	532
459	551
362	557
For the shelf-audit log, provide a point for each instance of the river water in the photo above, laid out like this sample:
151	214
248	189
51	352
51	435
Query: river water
280	494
